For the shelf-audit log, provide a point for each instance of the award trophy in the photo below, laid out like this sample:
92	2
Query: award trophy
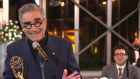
119	77
17	67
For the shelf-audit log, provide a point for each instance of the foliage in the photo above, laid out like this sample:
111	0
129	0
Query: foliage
10	32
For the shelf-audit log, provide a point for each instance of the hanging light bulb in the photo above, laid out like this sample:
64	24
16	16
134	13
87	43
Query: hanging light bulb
62	4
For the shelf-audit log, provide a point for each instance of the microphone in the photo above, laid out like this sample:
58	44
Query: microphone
40	51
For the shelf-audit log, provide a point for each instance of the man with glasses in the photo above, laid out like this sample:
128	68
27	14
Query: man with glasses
24	60
121	69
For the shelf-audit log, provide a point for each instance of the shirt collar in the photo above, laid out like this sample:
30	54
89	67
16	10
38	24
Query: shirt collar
121	66
42	43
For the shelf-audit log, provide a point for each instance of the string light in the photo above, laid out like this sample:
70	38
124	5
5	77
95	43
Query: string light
62	4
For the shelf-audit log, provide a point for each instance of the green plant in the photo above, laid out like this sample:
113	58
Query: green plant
10	32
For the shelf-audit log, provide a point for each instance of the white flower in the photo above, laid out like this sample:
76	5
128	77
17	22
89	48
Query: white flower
104	78
6	27
10	21
5	30
15	30
20	33
4	39
2	33
19	36
10	34
15	26
12	29
15	34
16	22
6	34
10	38
13	39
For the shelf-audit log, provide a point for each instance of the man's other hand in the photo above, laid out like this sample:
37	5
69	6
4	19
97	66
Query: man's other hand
71	76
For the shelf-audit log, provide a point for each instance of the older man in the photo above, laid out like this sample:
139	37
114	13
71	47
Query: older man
39	55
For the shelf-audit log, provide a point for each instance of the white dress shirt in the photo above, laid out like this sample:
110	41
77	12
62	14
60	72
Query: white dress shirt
121	67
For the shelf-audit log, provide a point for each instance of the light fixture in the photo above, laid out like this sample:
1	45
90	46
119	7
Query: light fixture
62	4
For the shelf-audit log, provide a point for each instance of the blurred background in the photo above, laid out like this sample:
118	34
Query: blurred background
93	26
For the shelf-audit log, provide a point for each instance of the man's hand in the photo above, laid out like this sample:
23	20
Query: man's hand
71	76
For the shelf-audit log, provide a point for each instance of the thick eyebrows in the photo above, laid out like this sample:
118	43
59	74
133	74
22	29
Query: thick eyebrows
37	19
29	22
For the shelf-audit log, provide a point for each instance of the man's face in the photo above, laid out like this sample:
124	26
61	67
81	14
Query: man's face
120	57
34	25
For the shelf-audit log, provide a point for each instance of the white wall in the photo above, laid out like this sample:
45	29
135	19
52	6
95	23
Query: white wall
1	17
6	10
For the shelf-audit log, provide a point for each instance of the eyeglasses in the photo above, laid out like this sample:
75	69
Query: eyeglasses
37	23
121	54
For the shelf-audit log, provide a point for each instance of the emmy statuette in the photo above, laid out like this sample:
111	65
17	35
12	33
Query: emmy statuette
17	67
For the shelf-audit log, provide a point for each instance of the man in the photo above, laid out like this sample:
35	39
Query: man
136	43
24	62
121	69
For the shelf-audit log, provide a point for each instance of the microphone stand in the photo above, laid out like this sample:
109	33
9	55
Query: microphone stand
42	67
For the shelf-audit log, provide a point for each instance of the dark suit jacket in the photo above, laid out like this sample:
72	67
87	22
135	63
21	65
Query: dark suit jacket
111	71
60	55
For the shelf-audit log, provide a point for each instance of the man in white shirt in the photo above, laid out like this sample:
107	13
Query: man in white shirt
121	68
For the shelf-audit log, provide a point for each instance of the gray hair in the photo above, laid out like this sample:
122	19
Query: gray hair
28	8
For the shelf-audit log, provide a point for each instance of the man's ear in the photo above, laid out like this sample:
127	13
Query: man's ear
23	29
21	26
45	20
127	56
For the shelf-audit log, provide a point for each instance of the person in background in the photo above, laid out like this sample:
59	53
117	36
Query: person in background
136	44
39	55
121	68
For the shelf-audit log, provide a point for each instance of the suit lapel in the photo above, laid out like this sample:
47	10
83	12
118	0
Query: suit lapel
30	63
28	53
125	72
115	71
50	44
